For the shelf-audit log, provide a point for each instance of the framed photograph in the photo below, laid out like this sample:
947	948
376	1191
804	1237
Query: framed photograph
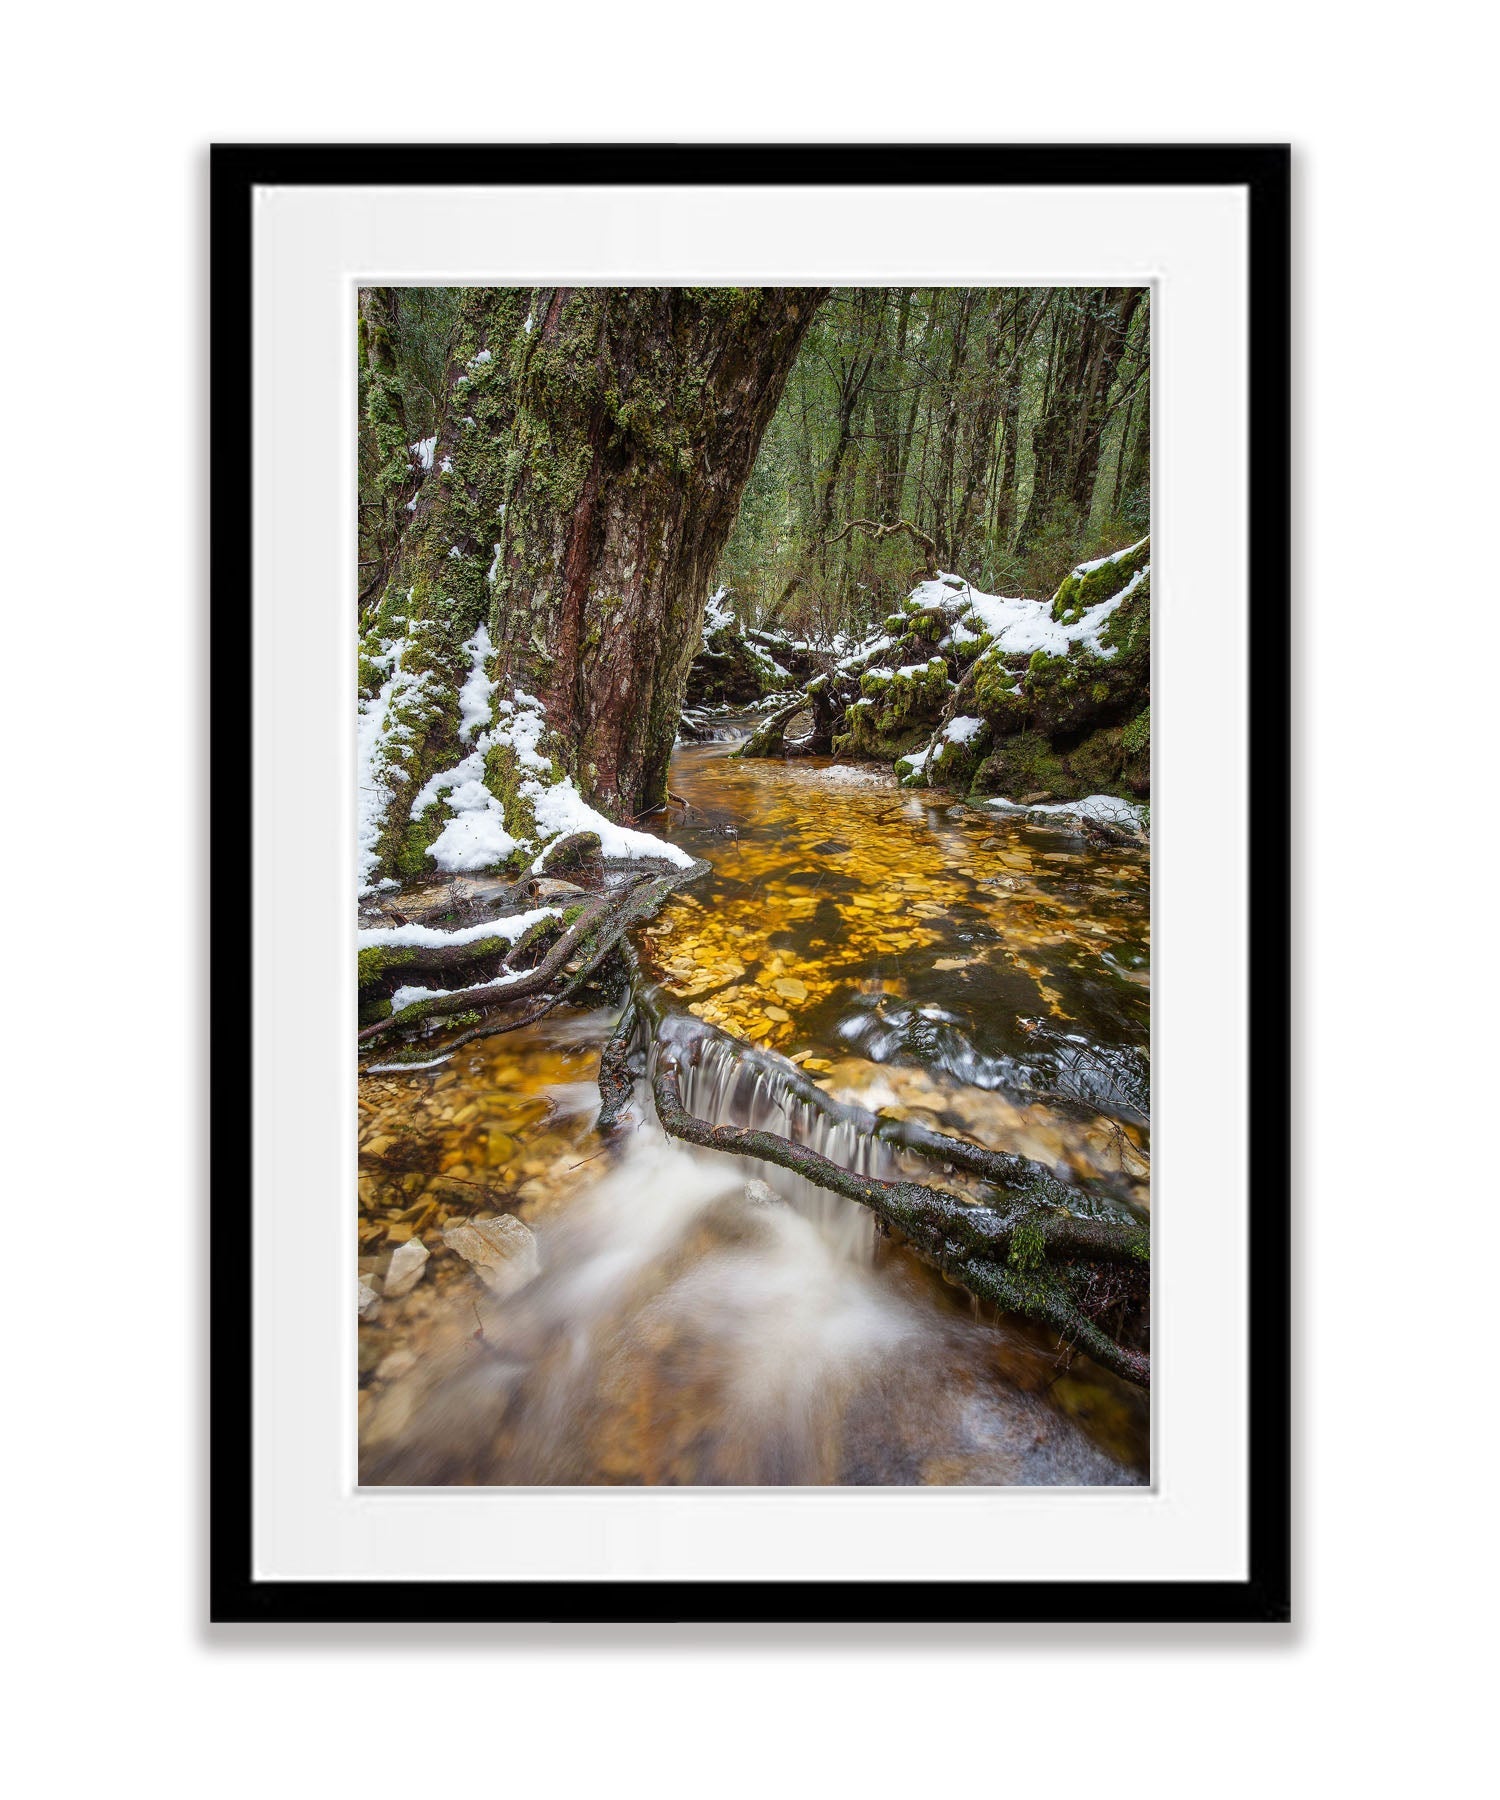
750	769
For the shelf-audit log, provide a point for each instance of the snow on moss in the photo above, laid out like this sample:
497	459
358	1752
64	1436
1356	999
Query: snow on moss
1114	557
475	695
1019	627
380	749
717	614
477	836
428	937
560	809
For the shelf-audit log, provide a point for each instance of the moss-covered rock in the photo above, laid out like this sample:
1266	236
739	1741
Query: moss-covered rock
730	670
1092	582
1074	721
896	710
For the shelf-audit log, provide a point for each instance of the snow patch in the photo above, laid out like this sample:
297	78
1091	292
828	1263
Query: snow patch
476	836
405	1068
718	613
1109	809
423	451
561	809
428	937
475	694
1021	627
408	996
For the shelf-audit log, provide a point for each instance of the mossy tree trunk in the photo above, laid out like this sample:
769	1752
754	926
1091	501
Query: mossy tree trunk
587	468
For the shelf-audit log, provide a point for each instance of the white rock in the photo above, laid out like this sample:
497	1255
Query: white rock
760	1193
369	1297
406	1268
501	1251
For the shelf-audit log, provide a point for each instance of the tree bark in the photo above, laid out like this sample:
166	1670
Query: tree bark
586	472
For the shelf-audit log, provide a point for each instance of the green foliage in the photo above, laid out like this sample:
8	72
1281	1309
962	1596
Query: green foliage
925	404
1137	734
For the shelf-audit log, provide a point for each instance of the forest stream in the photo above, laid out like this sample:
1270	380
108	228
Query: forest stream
701	1320
674	1315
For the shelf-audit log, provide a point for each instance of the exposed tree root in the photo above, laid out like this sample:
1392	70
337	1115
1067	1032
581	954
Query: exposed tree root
616	1084
822	699
1036	1256
587	934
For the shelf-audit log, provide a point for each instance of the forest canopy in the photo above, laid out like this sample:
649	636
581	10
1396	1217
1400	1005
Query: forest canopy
1010	428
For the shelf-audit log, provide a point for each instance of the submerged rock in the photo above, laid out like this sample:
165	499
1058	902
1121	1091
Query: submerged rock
502	1252
406	1268
393	1367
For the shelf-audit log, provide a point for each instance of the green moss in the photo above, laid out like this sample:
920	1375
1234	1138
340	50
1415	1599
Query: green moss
897	710
1028	1245
1079	591
372	963
994	680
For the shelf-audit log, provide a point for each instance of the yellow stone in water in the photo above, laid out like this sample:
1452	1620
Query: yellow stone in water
758	1030
778	1013
820	1065
790	988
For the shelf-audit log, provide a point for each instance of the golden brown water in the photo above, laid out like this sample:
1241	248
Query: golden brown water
944	965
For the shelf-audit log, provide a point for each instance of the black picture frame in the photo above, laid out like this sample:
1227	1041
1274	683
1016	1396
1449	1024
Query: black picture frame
1263	171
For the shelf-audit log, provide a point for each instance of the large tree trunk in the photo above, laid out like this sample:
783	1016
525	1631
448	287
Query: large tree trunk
583	482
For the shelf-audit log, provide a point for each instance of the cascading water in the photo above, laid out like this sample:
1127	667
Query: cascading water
722	1088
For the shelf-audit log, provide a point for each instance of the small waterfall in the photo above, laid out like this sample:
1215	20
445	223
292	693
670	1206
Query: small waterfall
723	1087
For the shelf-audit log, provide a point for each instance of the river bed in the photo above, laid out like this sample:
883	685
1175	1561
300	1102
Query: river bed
694	1319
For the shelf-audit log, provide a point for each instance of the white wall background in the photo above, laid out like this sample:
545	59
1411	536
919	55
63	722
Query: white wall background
1379	1687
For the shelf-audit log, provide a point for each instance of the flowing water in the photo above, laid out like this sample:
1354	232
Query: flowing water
701	1320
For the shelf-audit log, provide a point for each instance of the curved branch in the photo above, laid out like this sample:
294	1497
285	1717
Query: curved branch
877	533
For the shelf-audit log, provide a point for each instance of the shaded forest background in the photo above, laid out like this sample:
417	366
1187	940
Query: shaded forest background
1007	429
